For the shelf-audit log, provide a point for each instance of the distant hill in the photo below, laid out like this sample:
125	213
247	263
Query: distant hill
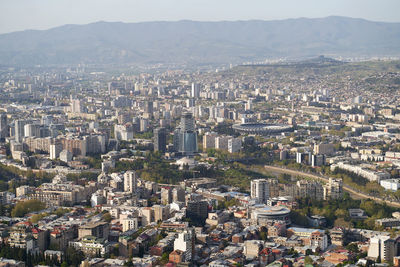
200	42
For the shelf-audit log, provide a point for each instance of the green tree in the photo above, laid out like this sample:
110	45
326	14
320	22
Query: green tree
107	217
308	260
24	207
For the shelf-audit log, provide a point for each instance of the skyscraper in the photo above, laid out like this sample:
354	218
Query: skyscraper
160	139
19	130
195	90
187	135
148	108
3	125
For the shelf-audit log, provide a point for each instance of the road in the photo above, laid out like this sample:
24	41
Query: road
346	188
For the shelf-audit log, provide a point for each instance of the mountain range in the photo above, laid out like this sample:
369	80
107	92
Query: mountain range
193	42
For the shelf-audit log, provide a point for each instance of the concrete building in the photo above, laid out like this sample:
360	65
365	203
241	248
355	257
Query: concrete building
234	145
382	247
166	195
129	223
209	140
333	189
185	243
263	189
197	209
161	213
160	140
19	130
3	126
195	92
97	229
65	156
324	149
55	150
130	181
178	194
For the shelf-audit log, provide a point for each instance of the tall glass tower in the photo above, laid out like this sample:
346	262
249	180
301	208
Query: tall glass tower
187	135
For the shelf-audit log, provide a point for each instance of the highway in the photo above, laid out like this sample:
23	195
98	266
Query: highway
353	193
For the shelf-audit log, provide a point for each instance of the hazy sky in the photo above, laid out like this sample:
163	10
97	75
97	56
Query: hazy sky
43	14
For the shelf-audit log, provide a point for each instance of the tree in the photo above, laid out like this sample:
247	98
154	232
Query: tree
308	260
107	217
24	207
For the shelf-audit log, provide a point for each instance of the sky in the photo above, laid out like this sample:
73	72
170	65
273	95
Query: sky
20	15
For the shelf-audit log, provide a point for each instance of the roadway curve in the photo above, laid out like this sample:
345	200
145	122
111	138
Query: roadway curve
317	177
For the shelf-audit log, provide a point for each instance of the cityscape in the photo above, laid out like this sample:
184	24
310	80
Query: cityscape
186	158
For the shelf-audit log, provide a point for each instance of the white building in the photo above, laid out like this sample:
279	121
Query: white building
260	190
65	156
382	247
123	132
195	93
129	223
130	181
55	150
366	173
185	243
390	184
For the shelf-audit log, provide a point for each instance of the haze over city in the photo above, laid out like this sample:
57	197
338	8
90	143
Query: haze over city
45	14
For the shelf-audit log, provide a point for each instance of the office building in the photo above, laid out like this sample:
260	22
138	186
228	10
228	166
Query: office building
19	130
195	93
197	210
187	136
3	126
160	139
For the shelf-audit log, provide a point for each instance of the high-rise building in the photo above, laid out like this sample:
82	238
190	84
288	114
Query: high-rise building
187	135
147	215
263	189
160	139
382	247
130	179
166	195
185	243
161	213
144	124
178	194
209	140
76	106
32	130
197	209
195	90
234	145
19	130
325	149
333	189
55	150
3	126
148	109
